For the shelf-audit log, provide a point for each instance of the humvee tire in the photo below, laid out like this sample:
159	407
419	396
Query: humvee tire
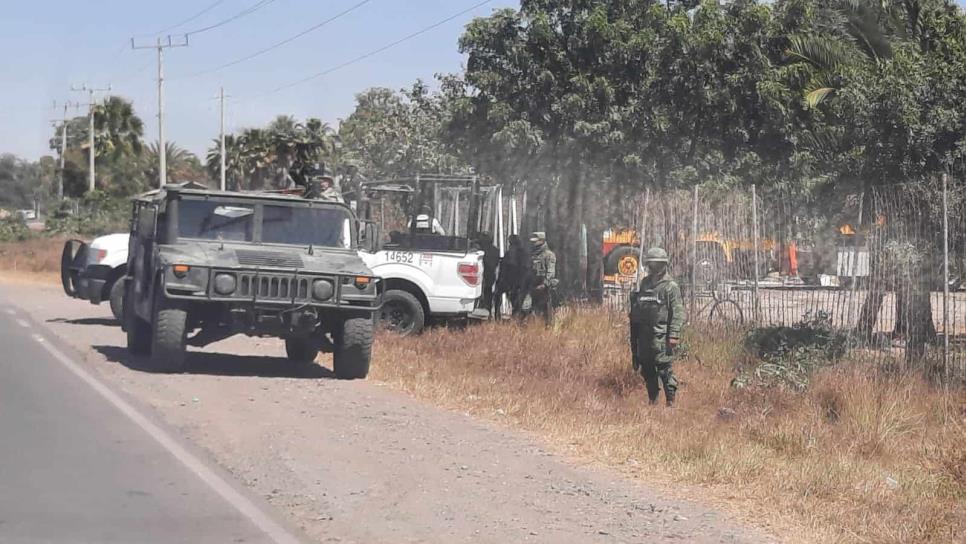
168	341
353	348
300	350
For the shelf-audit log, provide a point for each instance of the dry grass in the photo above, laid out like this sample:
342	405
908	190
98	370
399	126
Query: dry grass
860	457
35	259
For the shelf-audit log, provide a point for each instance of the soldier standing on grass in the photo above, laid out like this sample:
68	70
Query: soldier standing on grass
656	319
513	271
491	260
545	276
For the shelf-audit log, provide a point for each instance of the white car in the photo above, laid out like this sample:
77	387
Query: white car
95	271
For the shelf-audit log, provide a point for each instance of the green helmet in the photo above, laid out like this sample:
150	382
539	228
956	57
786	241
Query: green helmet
655	255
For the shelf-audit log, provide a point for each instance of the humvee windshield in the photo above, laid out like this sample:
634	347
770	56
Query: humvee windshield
281	224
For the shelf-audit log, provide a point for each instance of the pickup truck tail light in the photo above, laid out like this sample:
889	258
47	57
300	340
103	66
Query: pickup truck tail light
469	273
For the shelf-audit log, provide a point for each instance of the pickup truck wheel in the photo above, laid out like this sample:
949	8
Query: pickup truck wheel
402	313
300	350
168	344
117	298
353	348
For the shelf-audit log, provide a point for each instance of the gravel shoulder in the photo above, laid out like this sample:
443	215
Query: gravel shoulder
357	462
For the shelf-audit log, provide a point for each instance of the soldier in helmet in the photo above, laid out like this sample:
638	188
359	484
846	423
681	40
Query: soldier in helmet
317	183
425	223
657	316
329	192
544	279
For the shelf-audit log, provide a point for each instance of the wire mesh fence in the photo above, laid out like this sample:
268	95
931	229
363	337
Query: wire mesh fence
873	266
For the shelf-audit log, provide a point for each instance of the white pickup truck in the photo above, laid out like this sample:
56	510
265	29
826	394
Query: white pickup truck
427	277
92	271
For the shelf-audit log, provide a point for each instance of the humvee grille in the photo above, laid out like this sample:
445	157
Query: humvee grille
264	287
249	257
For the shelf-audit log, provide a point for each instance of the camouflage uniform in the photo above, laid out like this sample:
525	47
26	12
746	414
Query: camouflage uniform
544	263
332	195
657	317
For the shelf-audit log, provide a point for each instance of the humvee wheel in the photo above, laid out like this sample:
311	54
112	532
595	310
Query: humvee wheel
353	348
168	343
300	350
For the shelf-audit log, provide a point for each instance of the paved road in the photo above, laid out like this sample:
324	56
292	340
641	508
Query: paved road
80	464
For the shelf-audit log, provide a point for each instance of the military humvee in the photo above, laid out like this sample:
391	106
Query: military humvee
204	265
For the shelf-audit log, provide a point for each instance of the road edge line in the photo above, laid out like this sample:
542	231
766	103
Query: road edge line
245	506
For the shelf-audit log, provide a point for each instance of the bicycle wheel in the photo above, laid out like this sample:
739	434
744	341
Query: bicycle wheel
726	313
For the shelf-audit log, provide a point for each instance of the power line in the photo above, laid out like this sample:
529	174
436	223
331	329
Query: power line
252	9
379	50
210	7
290	39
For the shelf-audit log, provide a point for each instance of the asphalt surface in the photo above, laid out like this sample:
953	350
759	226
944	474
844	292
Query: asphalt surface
77	466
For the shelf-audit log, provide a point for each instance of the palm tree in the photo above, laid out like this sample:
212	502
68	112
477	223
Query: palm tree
234	169
181	165
117	129
850	33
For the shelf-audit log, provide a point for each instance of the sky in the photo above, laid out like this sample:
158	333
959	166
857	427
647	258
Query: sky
49	46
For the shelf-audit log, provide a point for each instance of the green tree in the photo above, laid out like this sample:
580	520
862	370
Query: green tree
181	164
398	133
118	133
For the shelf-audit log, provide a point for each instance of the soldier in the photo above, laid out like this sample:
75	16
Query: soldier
513	271
316	182
491	259
328	190
425	223
656	319
544	276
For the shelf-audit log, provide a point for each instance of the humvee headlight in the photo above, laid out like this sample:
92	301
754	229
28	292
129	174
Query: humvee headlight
322	289
225	284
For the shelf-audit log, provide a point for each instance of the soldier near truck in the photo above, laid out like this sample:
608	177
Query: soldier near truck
544	276
656	320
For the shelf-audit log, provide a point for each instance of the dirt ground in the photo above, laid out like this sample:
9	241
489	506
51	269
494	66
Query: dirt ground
356	462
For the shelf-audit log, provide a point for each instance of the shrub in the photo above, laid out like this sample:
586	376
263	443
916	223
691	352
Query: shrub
13	229
788	355
97	213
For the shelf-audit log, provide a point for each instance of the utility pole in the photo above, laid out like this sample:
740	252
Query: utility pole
63	145
91	103
161	45
222	97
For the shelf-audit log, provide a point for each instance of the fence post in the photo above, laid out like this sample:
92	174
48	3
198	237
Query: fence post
854	263
756	310
946	278
641	238
694	254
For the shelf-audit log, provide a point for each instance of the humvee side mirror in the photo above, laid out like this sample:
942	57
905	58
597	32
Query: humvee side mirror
371	236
